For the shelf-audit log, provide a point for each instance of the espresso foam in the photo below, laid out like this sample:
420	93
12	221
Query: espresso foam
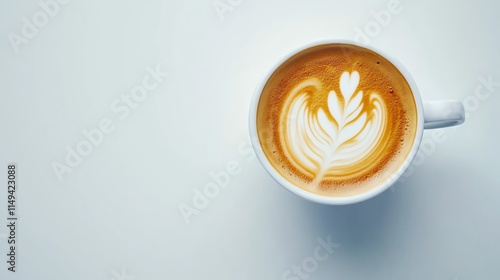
336	119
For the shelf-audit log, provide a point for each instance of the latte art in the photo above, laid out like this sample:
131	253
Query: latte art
336	119
333	139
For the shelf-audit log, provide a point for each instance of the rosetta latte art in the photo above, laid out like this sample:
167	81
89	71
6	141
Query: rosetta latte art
337	137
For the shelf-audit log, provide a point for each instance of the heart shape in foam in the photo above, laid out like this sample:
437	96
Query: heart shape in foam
348	84
339	140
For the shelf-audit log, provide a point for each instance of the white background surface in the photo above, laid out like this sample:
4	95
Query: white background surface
118	210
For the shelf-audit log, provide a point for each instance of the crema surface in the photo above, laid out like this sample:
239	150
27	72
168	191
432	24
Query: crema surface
336	119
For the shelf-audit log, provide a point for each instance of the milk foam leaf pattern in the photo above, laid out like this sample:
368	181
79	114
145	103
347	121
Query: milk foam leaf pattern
328	140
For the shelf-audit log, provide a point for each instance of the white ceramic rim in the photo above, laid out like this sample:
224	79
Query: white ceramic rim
342	200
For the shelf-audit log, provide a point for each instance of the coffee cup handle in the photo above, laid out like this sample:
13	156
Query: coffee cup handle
438	114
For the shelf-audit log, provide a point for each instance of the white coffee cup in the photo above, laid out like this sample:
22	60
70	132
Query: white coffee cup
433	114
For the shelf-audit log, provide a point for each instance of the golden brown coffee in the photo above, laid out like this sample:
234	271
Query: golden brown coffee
336	119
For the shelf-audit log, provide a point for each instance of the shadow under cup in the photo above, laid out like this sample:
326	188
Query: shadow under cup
336	123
